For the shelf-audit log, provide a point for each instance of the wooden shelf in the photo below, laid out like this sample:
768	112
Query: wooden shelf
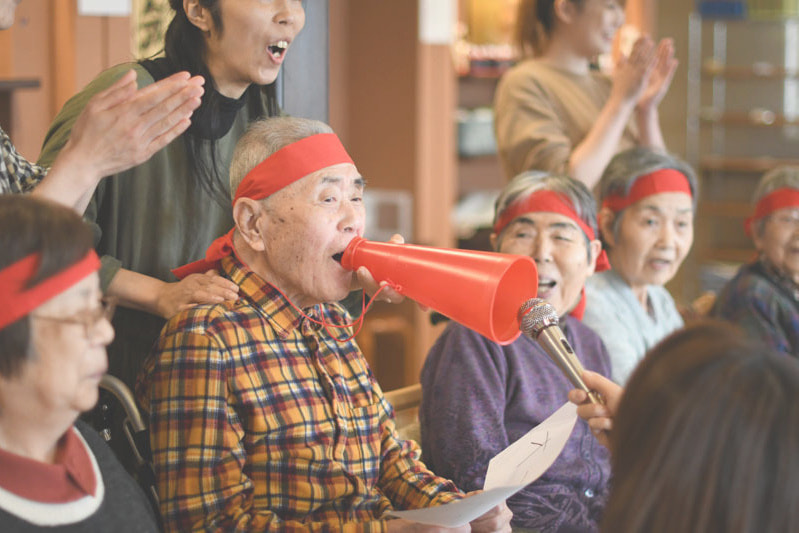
11	84
759	118
752	165
758	71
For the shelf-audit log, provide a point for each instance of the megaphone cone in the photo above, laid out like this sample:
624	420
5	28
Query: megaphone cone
481	290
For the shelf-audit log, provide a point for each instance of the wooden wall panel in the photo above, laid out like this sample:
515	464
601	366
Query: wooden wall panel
31	59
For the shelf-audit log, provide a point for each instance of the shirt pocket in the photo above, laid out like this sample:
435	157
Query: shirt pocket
364	442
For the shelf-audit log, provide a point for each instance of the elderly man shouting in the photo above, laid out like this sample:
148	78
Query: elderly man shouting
264	414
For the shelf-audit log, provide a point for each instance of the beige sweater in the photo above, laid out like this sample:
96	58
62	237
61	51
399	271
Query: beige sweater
542	113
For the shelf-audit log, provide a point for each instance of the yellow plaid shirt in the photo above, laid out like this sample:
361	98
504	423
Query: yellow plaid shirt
261	420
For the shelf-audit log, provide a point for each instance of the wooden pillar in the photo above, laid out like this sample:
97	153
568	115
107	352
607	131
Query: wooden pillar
392	100
63	59
643	15
7	53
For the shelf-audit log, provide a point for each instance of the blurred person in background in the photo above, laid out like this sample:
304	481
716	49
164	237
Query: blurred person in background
554	112
763	297
705	436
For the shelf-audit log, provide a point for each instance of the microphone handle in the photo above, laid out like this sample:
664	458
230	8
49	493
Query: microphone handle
554	343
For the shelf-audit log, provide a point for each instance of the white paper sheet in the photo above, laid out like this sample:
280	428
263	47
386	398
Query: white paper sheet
460	512
528	458
515	467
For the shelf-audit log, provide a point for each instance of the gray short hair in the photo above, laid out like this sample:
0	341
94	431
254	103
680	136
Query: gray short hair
628	166
532	181
777	178
265	137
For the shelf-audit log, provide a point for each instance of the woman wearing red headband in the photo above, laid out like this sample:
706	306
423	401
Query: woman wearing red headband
646	221
554	113
479	396
763	297
56	473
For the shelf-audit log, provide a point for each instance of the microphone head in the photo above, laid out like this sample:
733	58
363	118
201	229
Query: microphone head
535	315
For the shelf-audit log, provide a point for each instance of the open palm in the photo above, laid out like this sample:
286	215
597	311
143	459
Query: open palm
660	77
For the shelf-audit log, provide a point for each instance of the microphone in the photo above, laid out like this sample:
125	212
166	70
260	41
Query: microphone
539	321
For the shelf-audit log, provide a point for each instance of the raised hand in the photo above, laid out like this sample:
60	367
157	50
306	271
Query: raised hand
122	127
660	78
631	75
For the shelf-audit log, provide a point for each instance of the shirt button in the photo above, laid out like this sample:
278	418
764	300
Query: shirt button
589	493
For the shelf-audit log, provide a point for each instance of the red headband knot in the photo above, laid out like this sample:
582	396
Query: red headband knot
773	201
657	182
279	170
18	300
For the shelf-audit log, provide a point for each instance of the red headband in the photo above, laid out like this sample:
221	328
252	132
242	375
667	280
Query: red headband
552	202
549	202
773	201
19	301
277	171
657	182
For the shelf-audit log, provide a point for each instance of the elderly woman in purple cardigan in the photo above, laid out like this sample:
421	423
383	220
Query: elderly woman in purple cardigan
480	396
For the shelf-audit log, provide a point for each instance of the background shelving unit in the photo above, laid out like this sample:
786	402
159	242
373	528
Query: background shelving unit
743	119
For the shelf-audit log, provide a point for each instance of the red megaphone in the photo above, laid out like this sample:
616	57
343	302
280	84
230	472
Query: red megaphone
481	290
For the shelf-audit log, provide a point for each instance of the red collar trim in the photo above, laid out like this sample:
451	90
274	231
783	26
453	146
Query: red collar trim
71	478
657	182
21	300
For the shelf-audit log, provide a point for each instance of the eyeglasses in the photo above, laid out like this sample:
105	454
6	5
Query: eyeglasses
90	319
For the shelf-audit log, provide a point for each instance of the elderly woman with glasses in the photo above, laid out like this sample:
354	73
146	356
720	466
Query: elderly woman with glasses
763	297
646	221
56	473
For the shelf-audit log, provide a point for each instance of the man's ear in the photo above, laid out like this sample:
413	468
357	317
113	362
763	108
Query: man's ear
605	219
198	15
250	218
493	239
596	248
564	11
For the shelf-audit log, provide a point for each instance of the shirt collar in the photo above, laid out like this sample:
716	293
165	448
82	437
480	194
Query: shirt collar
70	478
268	300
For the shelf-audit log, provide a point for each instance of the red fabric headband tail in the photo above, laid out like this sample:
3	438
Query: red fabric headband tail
19	301
279	170
657	182
773	201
